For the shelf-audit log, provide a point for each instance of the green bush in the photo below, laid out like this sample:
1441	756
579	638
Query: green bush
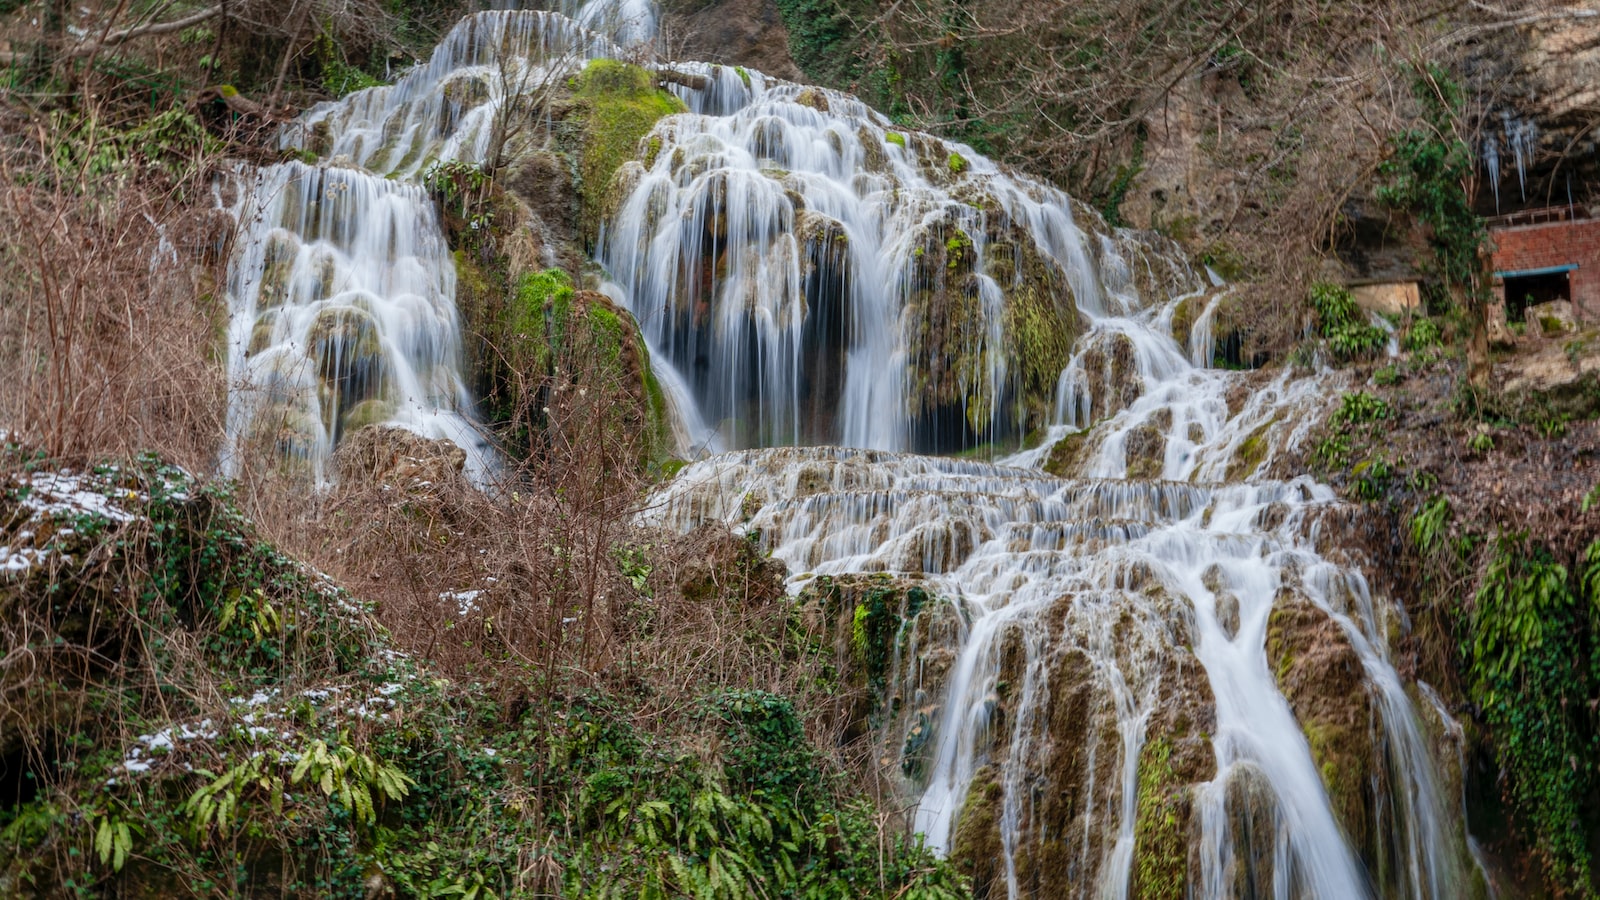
1423	335
1424	176
1341	323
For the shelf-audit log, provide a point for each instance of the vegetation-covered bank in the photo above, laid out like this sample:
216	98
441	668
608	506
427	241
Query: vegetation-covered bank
514	693
1482	516
191	712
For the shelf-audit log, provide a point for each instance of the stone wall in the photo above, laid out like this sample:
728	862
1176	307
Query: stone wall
1555	244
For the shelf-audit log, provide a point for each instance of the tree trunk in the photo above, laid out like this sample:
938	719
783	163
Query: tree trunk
1478	368
298	16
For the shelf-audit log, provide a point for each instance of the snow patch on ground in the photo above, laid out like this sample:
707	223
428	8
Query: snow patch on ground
266	717
46	500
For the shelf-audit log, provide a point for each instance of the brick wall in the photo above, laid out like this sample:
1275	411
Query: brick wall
1556	244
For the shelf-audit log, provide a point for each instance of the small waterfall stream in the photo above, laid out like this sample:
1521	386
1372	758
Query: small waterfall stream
342	289
805	273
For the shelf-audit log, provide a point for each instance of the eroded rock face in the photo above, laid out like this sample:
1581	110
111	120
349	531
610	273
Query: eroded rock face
736	32
1561	374
1066	810
880	628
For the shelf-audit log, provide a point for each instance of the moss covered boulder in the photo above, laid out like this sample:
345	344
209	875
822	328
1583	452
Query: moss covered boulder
1067	455
1145	447
1251	452
573	362
971	383
875	625
617	104
1069	793
1322	677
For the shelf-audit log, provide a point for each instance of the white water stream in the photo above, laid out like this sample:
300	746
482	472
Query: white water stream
784	250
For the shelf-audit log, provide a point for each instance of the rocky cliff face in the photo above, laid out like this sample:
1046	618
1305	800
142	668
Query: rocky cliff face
1545	74
732	32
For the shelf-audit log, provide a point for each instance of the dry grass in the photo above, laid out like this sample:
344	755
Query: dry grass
111	328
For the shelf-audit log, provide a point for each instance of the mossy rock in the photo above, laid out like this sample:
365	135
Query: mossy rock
467	91
1251	452
1176	757
864	615
559	344
1322	677
1042	325
1111	369
285	431
874	157
870	624
349	360
278	259
1066	457
263	333
619	105
1183	318
1251	806
1144	450
945	327
813	98
365	413
1161	838
948	326
976	846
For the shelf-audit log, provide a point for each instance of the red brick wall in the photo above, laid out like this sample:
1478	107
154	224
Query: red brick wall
1556	244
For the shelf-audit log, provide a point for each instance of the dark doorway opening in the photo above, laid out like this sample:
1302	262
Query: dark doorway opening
1523	291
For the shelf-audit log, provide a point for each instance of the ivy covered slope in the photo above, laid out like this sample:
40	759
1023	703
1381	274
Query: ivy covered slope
1481	509
189	712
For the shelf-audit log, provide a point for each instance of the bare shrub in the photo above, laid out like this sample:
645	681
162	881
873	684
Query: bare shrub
111	327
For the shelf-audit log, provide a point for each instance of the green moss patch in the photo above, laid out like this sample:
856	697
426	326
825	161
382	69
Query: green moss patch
1067	455
619	104
1161	839
1250	453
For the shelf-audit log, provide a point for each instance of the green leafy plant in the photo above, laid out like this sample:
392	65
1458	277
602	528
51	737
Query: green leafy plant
113	840
1528	624
358	781
1356	417
1423	335
1360	408
1429	524
1341	323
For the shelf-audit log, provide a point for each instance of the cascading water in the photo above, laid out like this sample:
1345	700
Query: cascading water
342	289
771	248
817	276
806	273
342	297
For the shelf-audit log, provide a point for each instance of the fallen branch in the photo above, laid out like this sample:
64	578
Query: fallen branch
665	77
139	31
117	37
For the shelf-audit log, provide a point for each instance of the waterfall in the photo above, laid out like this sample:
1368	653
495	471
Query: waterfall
341	293
805	265
770	244
828	295
341	289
